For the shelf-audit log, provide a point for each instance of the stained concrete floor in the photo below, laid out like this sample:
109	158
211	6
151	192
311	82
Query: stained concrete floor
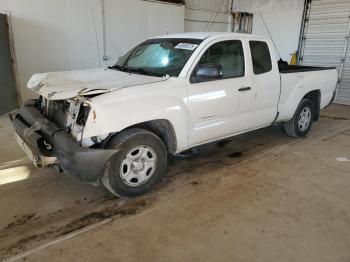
260	196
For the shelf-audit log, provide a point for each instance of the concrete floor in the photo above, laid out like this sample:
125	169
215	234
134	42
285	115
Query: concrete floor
261	196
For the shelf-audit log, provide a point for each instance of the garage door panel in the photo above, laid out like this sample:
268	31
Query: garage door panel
322	61
335	51
344	86
324	40
328	20
329	5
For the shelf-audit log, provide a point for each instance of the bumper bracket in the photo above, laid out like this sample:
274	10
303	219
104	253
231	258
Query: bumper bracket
31	128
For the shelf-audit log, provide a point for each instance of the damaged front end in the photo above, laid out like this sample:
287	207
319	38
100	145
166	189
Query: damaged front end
51	134
71	115
53	130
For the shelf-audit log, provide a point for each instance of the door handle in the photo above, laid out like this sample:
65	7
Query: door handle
242	89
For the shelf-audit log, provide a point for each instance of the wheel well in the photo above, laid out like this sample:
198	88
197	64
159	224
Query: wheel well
162	128
315	97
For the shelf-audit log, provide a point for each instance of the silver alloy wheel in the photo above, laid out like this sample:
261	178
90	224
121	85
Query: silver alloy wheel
138	165
304	119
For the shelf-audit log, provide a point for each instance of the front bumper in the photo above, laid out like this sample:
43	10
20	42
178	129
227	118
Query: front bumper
47	145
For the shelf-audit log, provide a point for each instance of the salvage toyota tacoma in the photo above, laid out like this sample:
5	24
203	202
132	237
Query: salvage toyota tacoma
168	94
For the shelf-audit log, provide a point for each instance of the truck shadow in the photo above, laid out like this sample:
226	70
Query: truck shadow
228	150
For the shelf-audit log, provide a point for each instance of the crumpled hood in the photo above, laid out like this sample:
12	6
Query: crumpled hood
64	85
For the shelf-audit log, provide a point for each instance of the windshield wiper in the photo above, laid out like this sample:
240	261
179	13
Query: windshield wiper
135	70
143	72
118	67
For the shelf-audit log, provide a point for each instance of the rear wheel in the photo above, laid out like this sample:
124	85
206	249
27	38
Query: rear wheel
301	122
137	166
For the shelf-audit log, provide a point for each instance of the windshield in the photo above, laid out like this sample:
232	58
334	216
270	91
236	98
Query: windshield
158	57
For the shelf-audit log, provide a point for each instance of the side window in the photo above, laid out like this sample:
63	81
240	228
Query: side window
261	57
228	54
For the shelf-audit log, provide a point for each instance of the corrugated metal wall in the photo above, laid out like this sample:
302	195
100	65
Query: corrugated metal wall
326	41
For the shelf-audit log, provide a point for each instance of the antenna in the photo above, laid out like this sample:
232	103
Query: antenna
267	29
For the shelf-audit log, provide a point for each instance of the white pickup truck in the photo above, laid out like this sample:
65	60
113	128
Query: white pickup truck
167	94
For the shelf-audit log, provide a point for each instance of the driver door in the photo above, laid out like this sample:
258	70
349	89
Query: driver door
225	106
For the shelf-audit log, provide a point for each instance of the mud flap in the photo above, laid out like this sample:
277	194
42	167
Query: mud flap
87	166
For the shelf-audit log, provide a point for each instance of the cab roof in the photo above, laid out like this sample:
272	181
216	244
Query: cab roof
204	35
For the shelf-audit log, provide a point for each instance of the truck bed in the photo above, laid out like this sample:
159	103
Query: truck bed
296	81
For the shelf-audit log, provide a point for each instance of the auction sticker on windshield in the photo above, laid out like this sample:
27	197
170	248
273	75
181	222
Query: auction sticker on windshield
186	46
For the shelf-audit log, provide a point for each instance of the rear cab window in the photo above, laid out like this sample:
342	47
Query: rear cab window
261	57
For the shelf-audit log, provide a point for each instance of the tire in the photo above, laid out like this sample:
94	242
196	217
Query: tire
301	122
139	164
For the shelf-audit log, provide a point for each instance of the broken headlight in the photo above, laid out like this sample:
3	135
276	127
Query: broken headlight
83	114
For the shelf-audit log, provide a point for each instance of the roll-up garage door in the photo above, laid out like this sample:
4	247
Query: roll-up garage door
325	40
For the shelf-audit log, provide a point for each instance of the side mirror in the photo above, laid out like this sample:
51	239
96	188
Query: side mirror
207	72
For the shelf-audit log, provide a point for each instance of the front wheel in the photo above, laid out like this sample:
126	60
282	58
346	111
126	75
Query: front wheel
139	164
301	122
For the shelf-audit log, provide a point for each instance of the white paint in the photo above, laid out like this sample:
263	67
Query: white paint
64	85
62	35
201	112
232	111
296	85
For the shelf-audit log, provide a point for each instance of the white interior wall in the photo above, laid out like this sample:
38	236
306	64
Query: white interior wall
206	15
284	27
129	22
201	20
282	17
256	6
60	35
